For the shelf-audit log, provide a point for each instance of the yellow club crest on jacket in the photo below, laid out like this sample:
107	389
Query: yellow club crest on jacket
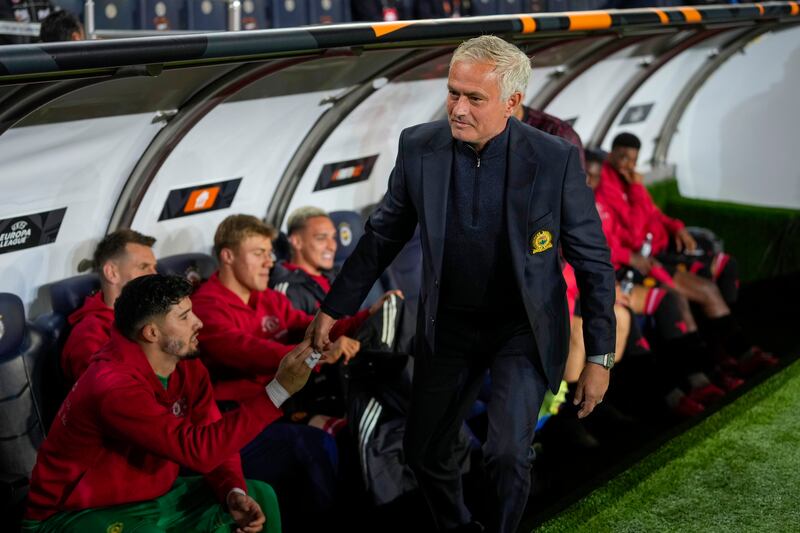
541	241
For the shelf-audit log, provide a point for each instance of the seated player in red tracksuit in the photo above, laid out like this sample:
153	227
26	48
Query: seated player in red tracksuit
118	258
633	223
144	408
248	330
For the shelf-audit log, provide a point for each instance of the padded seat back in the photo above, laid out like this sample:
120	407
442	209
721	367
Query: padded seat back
21	422
117	14
207	15
349	229
254	15
163	14
289	13
328	11
68	294
194	267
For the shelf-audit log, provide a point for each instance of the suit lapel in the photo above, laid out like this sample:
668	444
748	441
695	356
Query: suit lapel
521	176
436	173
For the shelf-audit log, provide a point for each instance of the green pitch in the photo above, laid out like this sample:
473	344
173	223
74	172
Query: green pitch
738	470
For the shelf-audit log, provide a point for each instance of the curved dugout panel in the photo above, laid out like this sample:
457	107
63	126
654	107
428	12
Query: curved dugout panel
256	131
740	145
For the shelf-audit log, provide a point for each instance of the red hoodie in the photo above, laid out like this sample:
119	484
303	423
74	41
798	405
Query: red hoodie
120	437
628	215
242	344
91	328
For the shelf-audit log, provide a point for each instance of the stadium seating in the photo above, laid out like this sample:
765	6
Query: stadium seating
163	14
67	295
349	229
22	351
254	15
73	6
282	248
507	7
328	11
289	13
193	267
117	14
207	15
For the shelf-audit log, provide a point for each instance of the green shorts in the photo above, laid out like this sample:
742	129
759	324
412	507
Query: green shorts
189	506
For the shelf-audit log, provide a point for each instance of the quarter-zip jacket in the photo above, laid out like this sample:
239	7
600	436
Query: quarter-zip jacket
91	329
243	343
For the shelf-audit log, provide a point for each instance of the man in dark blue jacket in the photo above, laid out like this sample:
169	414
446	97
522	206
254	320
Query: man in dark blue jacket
494	199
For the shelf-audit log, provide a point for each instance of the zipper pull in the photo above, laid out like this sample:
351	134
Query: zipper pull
479	163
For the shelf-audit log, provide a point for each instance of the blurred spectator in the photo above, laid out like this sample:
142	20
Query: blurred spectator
23	11
381	10
61	26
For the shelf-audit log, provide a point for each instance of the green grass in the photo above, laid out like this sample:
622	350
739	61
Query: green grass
738	470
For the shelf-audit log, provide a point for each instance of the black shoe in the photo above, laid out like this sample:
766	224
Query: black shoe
566	431
606	413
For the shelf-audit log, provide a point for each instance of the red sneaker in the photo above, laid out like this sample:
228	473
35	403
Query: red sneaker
707	394
729	364
729	382
688	408
755	360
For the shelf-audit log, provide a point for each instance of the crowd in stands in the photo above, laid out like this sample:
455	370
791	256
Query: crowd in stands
256	14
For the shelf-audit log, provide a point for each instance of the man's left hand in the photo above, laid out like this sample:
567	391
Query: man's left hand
684	239
379	304
592	385
246	513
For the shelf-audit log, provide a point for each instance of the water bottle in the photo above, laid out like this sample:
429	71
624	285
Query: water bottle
626	285
647	246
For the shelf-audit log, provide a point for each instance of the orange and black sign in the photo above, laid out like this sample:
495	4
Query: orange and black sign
199	199
27	231
345	172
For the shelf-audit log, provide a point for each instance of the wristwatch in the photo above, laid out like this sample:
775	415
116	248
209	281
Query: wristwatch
606	360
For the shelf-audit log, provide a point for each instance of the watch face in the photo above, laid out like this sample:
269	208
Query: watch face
609	361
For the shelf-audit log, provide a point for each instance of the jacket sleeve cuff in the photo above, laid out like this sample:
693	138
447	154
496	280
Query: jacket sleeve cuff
277	393
331	312
236	490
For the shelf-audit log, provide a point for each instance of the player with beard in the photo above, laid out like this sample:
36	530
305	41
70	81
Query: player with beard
143	409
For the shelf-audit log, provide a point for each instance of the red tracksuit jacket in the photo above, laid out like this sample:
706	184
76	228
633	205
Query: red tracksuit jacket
628	214
242	344
120	437
91	328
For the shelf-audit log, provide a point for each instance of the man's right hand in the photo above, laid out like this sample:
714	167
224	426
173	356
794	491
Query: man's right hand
318	332
293	371
641	263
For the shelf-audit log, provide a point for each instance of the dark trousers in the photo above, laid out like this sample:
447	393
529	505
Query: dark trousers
301	464
446	384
